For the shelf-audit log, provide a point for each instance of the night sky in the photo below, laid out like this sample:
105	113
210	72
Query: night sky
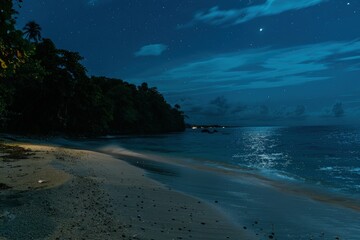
240	62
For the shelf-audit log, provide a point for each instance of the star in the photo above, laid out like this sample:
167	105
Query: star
261	29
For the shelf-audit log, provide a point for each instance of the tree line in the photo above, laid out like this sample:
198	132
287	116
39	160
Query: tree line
46	90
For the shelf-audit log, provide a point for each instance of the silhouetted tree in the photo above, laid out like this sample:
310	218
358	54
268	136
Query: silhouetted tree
5	99
14	50
45	90
32	31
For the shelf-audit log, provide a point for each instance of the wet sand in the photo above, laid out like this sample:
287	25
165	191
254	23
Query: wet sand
143	159
261	205
88	195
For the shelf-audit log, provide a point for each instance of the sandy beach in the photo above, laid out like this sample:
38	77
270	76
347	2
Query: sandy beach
59	193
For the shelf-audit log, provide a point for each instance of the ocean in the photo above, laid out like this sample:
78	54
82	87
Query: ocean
328	157
279	182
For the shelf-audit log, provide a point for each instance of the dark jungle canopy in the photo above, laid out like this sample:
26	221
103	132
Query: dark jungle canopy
45	90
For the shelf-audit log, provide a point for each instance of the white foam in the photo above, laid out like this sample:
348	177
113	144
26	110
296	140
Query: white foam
278	174
355	170
327	169
115	149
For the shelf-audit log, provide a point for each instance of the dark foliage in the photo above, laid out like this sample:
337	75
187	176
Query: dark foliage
32	31
49	92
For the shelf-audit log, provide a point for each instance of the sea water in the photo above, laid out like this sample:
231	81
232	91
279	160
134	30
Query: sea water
309	184
325	156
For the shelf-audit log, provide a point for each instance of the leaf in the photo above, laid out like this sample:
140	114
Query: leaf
3	64
19	54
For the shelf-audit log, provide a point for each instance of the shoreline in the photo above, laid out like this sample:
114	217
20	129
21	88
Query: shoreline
259	204
141	159
244	205
95	196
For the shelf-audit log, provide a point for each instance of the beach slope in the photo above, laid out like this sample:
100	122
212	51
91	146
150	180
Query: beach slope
49	192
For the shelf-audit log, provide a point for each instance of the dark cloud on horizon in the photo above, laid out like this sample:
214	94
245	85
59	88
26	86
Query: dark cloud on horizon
217	107
338	109
264	110
240	108
299	111
221	111
221	103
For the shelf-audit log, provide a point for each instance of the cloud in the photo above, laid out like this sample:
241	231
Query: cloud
338	110
299	111
264	110
220	110
151	50
239	109
351	58
220	102
217	107
94	3
216	16
257	69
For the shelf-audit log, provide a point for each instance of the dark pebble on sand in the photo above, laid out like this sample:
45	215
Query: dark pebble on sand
3	186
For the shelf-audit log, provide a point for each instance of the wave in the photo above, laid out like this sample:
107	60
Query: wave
338	169
281	175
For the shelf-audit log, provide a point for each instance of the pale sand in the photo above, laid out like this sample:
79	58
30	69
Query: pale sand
89	195
25	174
